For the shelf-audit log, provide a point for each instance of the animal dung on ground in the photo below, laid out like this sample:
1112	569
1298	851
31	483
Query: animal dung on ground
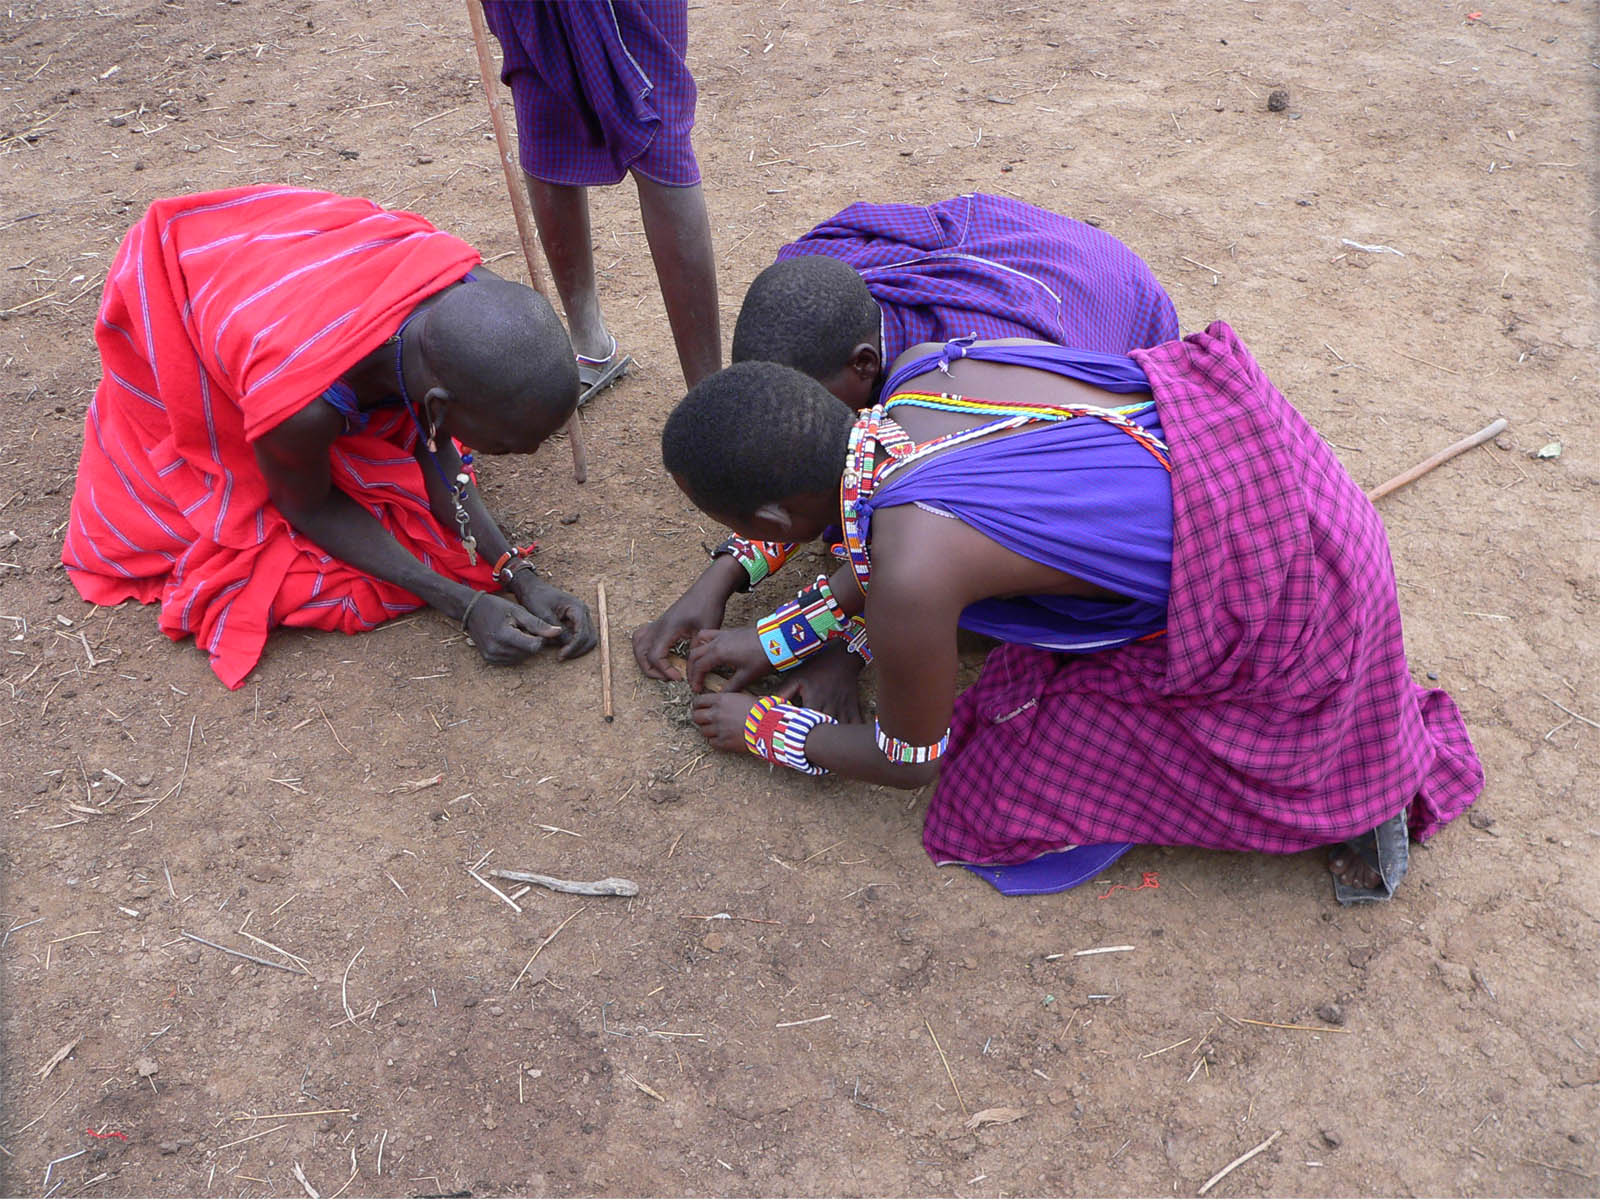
1278	100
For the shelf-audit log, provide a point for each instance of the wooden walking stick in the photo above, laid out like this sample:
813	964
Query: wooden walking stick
1490	430
519	197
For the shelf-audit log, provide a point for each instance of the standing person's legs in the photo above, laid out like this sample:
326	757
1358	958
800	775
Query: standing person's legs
679	234
562	215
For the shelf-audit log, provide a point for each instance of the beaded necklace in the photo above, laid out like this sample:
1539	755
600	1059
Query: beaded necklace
865	470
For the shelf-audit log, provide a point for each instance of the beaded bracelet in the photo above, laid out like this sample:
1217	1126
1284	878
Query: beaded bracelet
800	628
759	559
777	732
856	630
897	751
506	565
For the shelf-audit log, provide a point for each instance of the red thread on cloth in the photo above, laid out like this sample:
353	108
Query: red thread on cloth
1149	881
110	1133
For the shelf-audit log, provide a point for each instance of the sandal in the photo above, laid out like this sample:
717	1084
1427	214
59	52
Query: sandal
1387	850
597	374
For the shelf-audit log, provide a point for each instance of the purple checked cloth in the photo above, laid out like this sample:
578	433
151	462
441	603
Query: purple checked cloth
600	88
1278	713
998	268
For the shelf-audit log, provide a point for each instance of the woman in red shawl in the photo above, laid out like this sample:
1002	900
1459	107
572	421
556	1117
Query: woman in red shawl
274	439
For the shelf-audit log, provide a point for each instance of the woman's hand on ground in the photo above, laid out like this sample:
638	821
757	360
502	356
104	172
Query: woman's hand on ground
505	633
738	650
575	626
827	683
698	608
720	716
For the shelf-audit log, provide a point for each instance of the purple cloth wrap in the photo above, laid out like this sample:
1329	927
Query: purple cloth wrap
1080	496
1278	712
600	88
997	268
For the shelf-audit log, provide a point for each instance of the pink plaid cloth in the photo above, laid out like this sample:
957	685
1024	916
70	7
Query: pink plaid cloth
1278	713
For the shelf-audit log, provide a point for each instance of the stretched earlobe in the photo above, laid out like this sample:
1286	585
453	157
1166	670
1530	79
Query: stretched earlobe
866	361
434	406
776	513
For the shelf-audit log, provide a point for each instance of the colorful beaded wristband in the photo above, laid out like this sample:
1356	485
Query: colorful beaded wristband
856	630
777	732
506	565
759	559
897	751
800	628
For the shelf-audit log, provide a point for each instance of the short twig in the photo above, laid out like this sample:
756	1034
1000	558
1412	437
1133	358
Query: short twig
305	1183
948	1072
494	889
193	937
605	657
609	886
1239	1162
539	949
344	987
1570	713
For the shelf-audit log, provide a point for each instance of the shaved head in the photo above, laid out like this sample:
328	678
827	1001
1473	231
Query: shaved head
501	353
807	313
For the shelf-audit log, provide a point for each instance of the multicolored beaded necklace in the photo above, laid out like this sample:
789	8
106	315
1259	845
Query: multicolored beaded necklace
865	470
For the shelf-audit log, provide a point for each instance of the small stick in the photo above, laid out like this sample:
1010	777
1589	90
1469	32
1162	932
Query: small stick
251	1137
294	958
521	208
609	886
175	788
11	1133
1570	713
539	949
812	1021
605	658
1426	363
1100	950
385	1136
344	984
333	731
725	917
1239	1162
241	954
494	889
305	1183
1276	1025
315	1112
948	1072
1493	429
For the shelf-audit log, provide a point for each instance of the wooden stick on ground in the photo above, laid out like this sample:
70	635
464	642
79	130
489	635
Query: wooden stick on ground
605	658
1493	429
1239	1162
611	885
520	206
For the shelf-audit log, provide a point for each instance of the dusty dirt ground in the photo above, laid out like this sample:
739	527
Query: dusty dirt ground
788	1050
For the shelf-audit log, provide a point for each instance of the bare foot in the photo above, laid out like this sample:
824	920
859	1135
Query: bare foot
1352	870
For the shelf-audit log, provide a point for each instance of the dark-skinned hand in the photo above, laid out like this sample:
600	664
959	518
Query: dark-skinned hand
698	608
826	682
505	633
720	716
575	627
737	650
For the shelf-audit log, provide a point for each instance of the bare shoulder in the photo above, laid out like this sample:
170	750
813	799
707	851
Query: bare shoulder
301	436
923	349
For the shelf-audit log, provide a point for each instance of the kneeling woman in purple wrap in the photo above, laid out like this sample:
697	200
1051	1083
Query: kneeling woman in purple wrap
1201	640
